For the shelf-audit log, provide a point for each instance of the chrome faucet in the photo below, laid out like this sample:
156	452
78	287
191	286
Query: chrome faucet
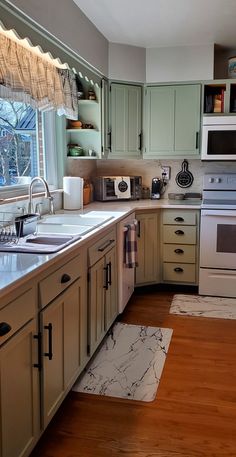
47	194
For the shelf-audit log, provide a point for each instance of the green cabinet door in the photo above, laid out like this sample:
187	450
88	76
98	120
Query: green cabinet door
172	121
125	120
187	119
159	120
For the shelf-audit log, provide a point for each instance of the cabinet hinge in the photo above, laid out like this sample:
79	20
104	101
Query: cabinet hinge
88	349
102	149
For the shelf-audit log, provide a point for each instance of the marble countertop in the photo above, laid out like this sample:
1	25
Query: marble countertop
15	268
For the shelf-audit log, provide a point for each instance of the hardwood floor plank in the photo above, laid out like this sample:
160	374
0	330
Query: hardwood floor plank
194	413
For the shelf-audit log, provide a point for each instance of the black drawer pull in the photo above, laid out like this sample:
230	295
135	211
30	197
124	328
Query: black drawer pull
179	232
179	251
179	219
106	245
65	278
4	328
49	354
178	270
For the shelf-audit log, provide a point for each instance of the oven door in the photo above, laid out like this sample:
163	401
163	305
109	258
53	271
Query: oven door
218	239
218	142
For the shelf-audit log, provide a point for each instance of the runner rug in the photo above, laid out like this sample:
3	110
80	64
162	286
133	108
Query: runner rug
128	364
202	306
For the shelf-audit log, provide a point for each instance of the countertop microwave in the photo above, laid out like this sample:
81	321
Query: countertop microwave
108	188
218	138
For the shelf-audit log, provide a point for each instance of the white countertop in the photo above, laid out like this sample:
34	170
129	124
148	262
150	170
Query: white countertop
15	268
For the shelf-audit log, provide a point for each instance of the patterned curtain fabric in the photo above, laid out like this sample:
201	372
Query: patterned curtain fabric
28	78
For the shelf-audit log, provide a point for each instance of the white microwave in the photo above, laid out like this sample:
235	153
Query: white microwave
218	138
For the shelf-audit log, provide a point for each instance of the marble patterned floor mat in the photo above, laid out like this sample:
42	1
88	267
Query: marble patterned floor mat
203	306
128	364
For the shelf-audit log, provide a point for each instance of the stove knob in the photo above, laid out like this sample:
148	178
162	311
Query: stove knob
218	180
211	179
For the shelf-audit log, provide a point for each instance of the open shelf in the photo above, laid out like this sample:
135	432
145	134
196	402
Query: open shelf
82	130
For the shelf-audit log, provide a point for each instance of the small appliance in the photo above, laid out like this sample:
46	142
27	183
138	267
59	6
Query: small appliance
158	188
218	138
109	188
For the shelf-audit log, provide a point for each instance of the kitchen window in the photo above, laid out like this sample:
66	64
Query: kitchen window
26	138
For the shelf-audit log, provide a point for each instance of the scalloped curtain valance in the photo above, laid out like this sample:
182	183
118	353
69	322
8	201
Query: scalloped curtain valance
29	78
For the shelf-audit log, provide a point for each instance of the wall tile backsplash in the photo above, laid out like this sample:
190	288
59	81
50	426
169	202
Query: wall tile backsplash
149	169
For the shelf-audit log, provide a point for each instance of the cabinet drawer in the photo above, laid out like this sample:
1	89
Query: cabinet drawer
101	247
179	253
59	280
179	272
176	234
179	217
18	312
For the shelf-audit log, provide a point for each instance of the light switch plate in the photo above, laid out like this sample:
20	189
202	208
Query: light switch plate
166	172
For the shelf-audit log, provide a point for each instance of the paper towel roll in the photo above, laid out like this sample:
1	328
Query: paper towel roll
73	192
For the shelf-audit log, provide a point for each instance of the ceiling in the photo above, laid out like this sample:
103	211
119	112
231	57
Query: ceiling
158	23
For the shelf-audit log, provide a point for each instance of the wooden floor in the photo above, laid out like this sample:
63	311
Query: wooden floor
194	414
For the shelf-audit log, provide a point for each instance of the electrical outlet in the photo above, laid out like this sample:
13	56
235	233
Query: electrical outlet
166	172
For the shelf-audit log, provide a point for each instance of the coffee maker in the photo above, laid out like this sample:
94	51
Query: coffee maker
157	188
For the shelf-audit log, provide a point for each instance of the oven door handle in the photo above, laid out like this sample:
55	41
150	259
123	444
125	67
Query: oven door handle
221	213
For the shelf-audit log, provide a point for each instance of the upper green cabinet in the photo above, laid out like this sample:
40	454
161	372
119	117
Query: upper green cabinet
172	121
125	121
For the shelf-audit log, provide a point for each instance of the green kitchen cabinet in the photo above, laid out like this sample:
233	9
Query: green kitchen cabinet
125	121
172	121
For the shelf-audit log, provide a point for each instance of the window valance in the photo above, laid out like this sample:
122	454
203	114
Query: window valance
27	77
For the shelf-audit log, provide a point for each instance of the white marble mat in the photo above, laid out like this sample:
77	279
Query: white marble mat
200	305
129	363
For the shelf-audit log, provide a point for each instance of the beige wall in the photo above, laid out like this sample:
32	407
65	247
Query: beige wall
127	63
179	63
67	22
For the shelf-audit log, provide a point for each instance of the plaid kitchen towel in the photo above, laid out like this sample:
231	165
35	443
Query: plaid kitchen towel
130	246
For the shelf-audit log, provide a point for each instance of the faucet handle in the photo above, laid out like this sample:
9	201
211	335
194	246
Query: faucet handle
21	209
38	208
51	205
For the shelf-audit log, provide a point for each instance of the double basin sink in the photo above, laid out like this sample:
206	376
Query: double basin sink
54	232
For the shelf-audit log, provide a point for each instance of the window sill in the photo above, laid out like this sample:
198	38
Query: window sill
22	197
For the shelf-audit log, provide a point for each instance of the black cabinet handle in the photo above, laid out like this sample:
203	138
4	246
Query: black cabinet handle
139	230
179	232
140	141
65	278
49	354
179	251
106	277
179	219
197	138
4	328
39	338
109	274
178	270
106	245
109	143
